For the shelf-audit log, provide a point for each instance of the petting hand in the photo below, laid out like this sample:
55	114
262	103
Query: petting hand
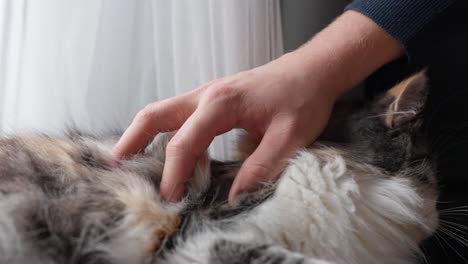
284	104
273	104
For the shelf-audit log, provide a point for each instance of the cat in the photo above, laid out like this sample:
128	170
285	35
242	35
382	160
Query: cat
369	197
365	192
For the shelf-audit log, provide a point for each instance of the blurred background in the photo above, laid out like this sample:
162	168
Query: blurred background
93	64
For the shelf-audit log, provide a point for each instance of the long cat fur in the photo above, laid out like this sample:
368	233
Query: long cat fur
366	196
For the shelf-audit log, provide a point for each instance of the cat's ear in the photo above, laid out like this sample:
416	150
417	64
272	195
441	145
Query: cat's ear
410	97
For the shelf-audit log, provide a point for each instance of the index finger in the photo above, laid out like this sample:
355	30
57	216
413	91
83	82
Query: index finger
192	139
166	115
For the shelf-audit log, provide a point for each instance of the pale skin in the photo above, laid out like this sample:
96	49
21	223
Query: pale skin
284	104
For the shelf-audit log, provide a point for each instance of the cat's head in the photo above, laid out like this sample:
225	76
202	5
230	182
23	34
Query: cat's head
388	133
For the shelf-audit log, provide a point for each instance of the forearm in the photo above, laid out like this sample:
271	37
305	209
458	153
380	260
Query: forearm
343	54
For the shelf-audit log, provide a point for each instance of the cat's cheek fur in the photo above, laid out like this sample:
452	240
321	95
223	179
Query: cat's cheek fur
353	212
431	216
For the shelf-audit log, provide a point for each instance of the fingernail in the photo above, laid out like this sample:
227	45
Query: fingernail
233	194
233	201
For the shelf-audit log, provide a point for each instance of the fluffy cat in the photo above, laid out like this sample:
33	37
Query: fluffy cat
365	193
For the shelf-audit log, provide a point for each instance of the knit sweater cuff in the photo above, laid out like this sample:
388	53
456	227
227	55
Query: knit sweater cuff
402	19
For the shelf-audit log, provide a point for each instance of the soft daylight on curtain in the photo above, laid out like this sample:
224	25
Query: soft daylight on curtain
94	63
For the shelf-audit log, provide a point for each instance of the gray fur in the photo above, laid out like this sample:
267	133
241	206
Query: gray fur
58	201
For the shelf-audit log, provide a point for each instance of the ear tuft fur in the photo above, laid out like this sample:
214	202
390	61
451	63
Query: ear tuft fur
410	96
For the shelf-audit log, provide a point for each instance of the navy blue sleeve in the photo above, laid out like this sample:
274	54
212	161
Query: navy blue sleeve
402	19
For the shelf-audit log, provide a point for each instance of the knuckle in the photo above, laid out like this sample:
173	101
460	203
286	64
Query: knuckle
147	113
221	92
179	147
175	148
286	133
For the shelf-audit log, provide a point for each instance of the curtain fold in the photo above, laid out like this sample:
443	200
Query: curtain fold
93	64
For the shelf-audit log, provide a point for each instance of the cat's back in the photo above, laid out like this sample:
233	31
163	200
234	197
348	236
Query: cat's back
62	201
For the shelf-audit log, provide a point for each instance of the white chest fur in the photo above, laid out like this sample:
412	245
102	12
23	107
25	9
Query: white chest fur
331	208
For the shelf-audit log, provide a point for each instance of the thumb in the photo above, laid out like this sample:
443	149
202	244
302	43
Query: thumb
268	160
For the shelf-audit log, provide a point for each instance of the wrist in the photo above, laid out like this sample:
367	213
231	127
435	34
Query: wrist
342	55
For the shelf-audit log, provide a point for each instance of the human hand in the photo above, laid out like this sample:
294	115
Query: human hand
273	104
284	104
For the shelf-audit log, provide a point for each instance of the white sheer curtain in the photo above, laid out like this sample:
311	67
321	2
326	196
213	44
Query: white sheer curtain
95	63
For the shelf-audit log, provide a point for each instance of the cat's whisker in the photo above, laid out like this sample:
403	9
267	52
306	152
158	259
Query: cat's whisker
457	212
375	116
456	231
454	250
455	215
463	207
423	255
437	235
463	213
456	207
394	113
459	228
446	202
455	236
454	211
